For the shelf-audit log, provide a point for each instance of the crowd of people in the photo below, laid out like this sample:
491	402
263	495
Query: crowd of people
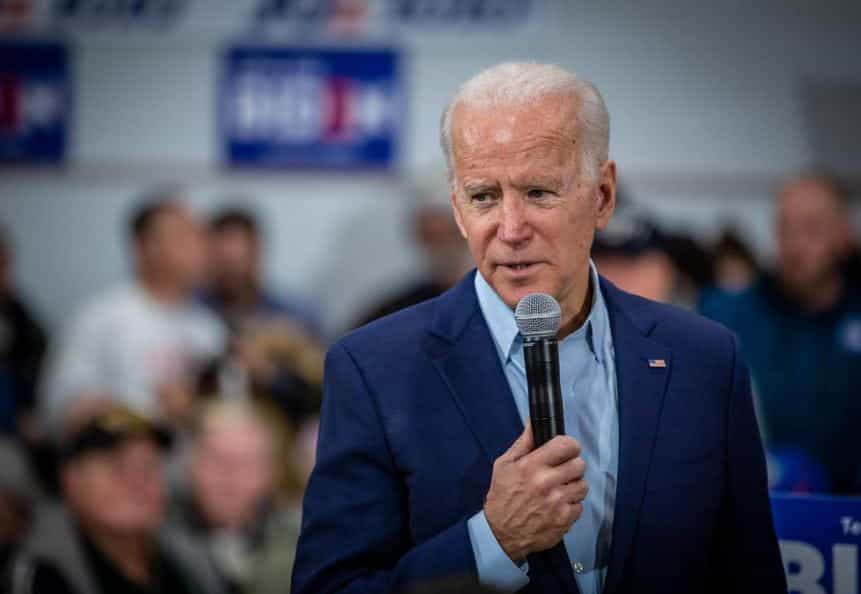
161	440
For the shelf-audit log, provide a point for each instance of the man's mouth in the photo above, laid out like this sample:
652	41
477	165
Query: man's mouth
519	266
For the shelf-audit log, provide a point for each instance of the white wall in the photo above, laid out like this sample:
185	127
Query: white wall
705	107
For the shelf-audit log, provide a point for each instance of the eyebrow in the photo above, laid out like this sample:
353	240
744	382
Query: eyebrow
542	181
479	186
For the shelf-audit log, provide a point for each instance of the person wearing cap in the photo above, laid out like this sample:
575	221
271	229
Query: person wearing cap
426	465
104	539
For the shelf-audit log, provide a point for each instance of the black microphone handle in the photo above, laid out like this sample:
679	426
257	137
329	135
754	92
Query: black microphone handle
545	393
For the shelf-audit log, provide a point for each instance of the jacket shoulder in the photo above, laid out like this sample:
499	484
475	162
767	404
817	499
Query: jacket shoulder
391	334
676	328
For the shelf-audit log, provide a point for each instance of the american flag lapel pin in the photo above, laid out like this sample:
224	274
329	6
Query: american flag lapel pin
657	363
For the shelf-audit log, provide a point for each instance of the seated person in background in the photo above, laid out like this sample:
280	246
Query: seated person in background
236	291
735	266
445	253
277	341
104	540
230	521
22	345
17	495
800	332
143	343
629	254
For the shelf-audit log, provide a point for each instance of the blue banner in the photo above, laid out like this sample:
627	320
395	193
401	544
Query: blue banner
820	539
34	102
311	108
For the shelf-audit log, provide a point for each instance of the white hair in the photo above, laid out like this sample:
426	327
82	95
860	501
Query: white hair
515	83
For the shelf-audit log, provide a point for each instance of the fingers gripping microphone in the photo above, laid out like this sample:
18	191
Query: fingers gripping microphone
538	317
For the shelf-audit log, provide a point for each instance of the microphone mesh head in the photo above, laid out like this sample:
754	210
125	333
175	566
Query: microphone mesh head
538	315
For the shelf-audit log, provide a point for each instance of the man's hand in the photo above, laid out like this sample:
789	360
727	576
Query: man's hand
535	495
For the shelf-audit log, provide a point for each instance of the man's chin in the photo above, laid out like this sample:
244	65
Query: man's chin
512	293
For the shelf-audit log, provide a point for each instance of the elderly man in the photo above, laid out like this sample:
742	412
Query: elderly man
104	540
230	525
424	468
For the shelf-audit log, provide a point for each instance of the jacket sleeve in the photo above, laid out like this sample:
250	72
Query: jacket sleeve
355	533
750	554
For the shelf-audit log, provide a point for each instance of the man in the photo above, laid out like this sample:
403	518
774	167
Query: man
22	346
800	331
424	468
104	541
277	341
144	343
230	521
237	292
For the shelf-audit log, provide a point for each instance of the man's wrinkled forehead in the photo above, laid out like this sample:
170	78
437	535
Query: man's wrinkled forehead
545	129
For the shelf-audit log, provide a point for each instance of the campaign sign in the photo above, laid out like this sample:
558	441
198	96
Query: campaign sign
34	98
820	538
311	108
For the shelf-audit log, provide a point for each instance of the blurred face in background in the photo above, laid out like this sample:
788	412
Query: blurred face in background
232	472
234	254
446	253
172	250
118	491
650	274
811	235
521	199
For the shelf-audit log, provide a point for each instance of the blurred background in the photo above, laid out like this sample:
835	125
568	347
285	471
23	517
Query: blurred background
198	196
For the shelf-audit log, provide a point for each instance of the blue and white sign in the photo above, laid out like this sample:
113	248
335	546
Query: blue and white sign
310	108
820	539
34	100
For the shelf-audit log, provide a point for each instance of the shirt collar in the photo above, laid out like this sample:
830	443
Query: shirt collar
503	328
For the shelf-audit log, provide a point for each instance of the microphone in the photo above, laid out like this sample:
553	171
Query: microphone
538	317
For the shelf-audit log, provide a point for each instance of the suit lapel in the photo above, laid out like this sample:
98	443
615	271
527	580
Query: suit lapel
641	387
469	365
470	368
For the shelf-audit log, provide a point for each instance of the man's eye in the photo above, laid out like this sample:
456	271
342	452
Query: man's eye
536	193
481	198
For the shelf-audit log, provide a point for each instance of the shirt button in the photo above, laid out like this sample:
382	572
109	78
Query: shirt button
578	567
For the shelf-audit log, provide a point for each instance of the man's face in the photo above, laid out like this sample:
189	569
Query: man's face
521	199
174	246
232	473
120	491
810	240
233	258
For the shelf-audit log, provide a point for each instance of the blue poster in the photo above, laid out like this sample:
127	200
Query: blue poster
34	103
311	108
820	539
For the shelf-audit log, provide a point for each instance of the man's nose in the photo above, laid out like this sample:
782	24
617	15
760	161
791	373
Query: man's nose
513	228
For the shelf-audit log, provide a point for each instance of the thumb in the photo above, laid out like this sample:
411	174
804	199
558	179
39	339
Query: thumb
522	445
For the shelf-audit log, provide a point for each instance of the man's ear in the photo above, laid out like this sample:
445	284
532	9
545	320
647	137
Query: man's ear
606	194
455	207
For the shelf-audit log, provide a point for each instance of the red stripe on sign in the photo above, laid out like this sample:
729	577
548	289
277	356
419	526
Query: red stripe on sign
10	104
338	88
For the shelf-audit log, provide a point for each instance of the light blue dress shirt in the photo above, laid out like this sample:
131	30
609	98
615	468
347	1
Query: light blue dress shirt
588	380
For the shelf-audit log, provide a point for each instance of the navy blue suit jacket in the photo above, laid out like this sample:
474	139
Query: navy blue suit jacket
416	408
